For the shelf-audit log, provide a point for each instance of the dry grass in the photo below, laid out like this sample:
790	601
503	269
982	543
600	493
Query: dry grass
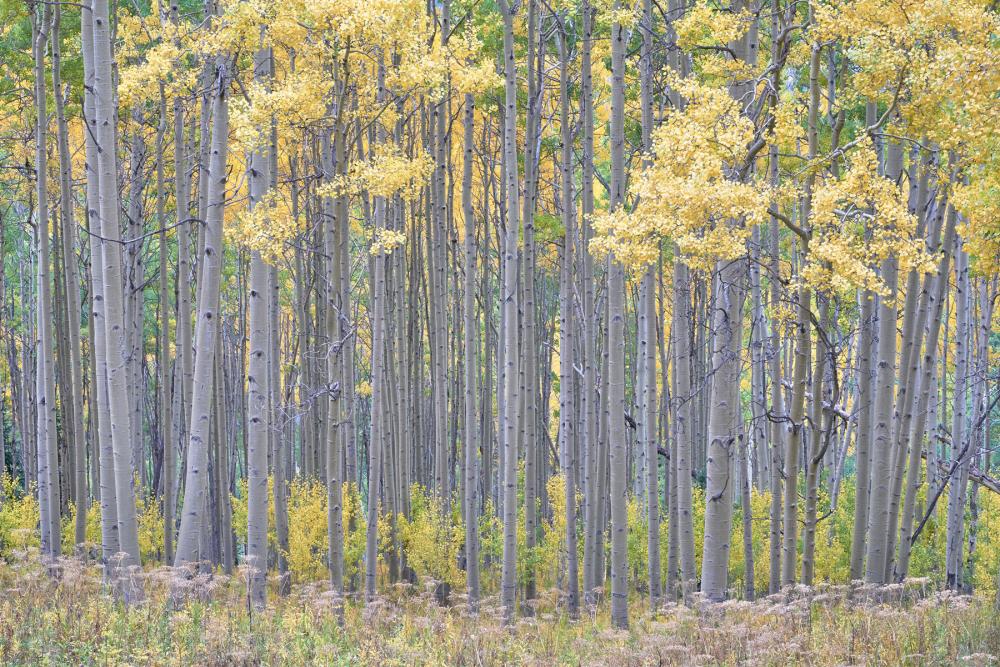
70	617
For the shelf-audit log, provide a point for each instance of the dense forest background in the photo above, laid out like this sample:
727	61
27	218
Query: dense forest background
608	303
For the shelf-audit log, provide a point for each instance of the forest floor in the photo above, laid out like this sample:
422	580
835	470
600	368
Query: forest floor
72	619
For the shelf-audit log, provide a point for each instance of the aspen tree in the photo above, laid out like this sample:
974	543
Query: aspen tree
509	300
878	516
960	439
113	299
936	291
529	345
48	473
616	339
99	399
567	417
592	543
471	351
376	450
196	475
258	424
647	336
73	403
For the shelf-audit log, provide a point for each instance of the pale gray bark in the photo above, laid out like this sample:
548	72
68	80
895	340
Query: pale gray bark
163	391
647	335
778	426
508	582
529	348
47	470
862	441
196	475
682	420
935	290
471	353
592	542
376	449
567	327
914	311
73	404
99	389
885	380
116	340
616	342
258	423
960	455
723	427
790	519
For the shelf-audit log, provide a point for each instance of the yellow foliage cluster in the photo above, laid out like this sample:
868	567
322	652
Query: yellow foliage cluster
432	540
703	24
296	100
308	540
266	227
386	240
788	131
18	516
387	173
935	58
688	193
841	256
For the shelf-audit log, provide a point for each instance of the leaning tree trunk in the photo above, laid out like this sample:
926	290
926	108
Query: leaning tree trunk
935	289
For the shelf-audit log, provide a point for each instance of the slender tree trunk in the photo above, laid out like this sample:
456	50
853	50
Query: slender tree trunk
164	418
790	520
529	348
592	545
376	450
117	352
885	380
647	335
960	448
937	292
471	353
616	342
73	404
567	327
723	432
682	420
862	442
196	476
508	584
820	435
258	424
102	440
48	471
